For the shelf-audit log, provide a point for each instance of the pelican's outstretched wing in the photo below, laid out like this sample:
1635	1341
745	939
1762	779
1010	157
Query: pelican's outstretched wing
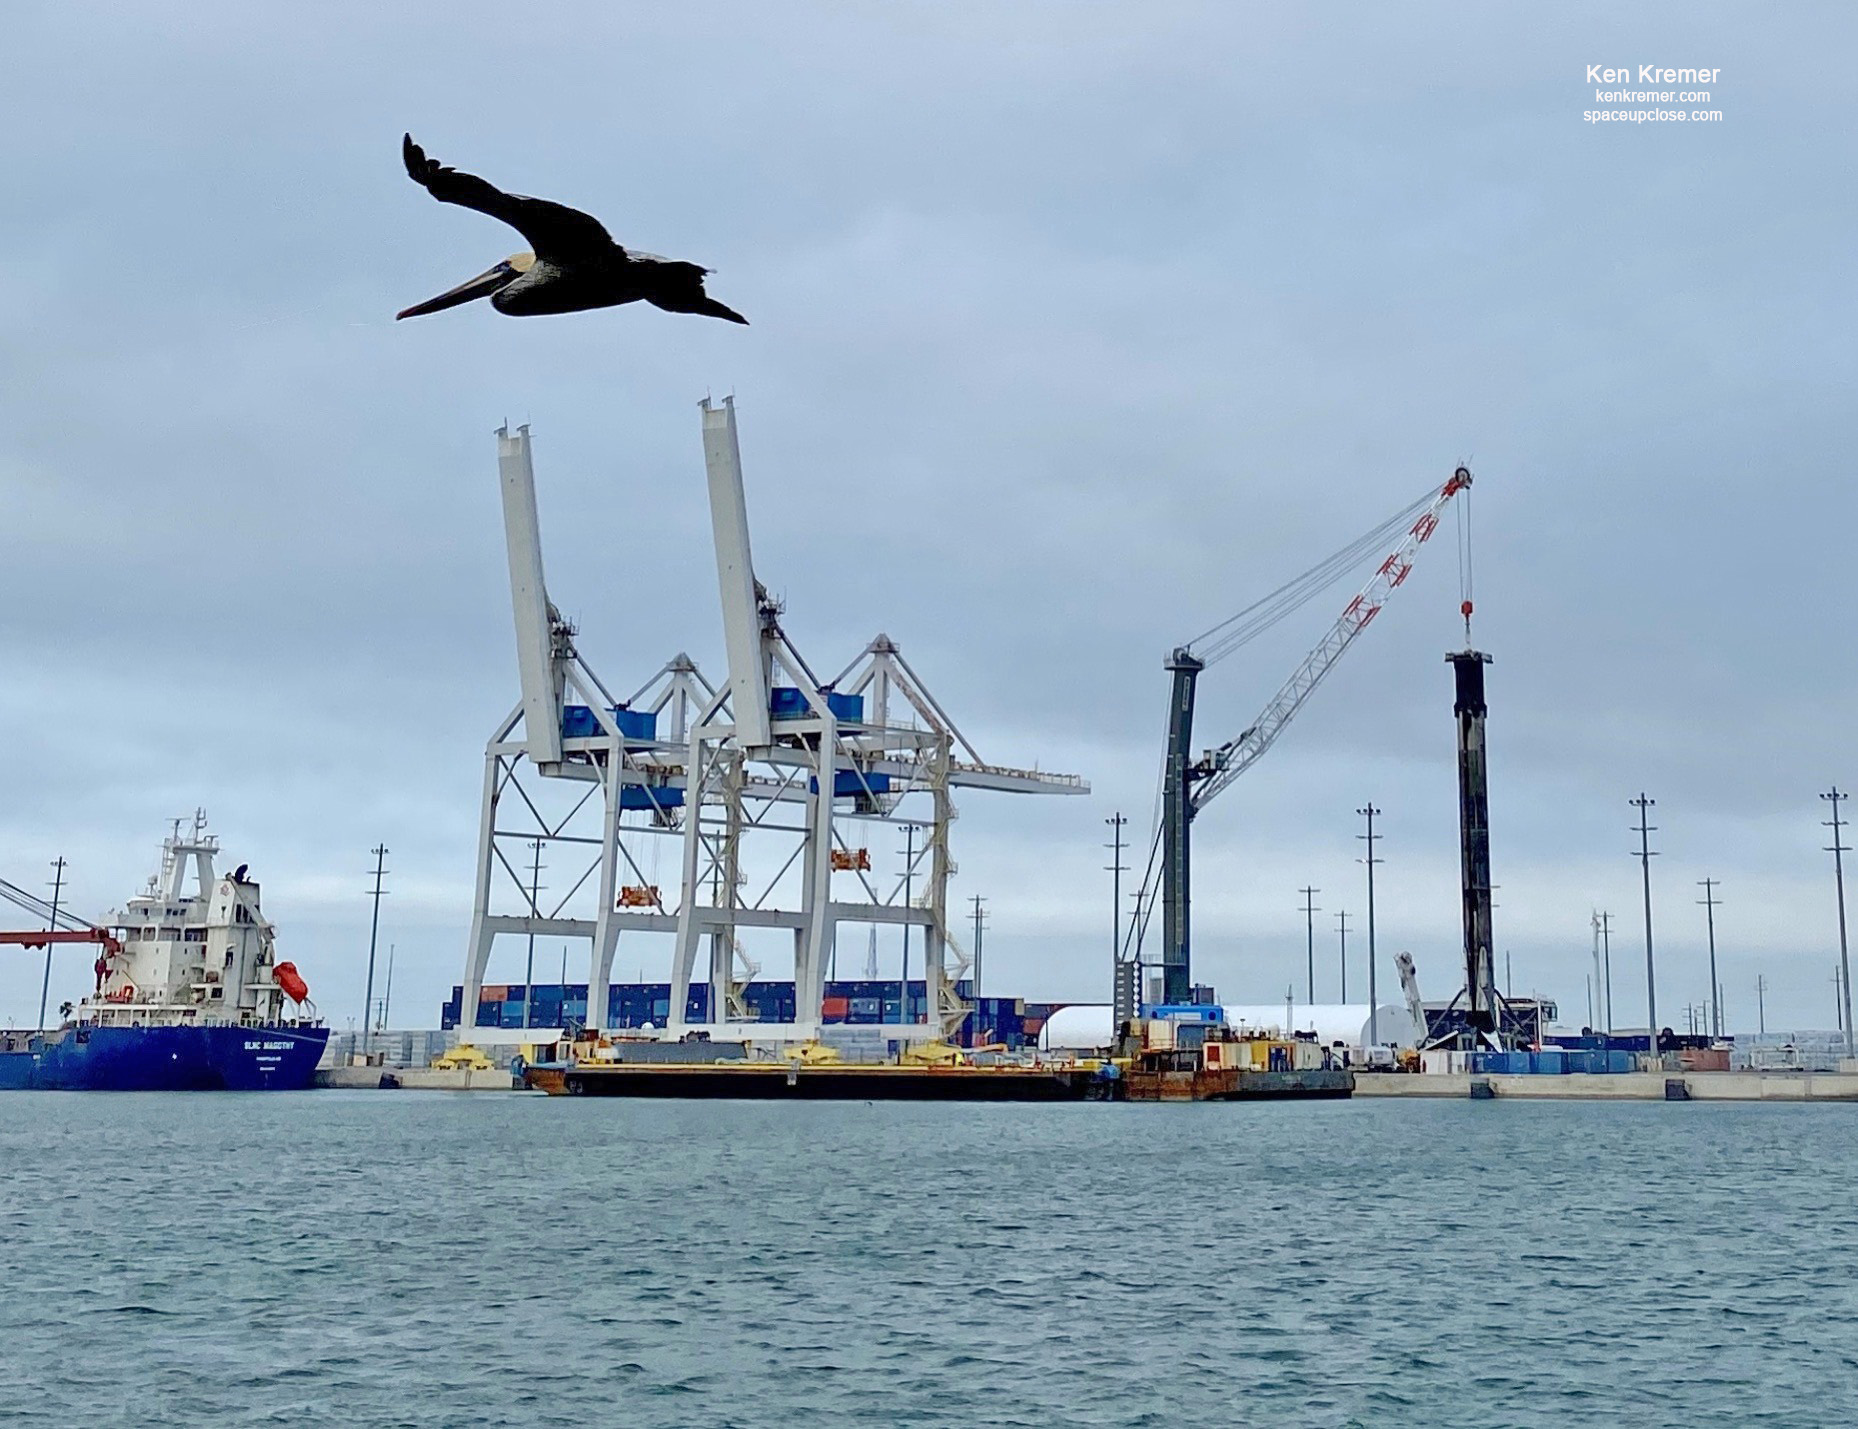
555	231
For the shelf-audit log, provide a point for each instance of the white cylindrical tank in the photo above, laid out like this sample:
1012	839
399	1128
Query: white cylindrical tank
1081	1027
1085	1026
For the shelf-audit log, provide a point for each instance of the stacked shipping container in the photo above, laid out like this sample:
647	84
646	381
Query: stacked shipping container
872	1002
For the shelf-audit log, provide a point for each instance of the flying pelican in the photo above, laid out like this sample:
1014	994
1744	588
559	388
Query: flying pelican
574	265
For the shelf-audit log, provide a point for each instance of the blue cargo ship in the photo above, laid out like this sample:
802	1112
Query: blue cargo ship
166	1059
189	994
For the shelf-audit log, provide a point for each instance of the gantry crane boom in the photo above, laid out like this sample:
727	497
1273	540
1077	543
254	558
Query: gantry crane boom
1190	784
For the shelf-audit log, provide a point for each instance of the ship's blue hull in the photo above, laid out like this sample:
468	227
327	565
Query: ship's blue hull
167	1059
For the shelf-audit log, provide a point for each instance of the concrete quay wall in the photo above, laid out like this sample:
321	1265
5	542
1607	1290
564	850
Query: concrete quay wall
1625	1086
418	1079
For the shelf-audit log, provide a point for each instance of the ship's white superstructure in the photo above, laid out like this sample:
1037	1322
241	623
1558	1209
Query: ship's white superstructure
193	958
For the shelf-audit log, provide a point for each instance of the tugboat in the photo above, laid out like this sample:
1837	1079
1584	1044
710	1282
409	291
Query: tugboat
189	995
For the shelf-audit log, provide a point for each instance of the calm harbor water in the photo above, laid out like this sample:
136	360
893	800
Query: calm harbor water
422	1259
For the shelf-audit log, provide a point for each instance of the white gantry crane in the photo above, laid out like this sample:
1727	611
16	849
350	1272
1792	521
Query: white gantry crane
1190	784
766	785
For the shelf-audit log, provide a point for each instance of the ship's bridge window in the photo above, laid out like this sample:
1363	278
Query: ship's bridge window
148	934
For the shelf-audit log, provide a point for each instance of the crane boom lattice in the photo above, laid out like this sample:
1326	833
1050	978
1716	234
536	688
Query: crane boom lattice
1226	763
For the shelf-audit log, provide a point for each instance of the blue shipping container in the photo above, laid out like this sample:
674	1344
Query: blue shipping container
848	782
650	796
634	1004
636	724
786	702
580	722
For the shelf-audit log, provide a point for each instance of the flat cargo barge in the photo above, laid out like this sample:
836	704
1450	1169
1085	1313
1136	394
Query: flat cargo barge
1188	1053
1231	1084
796	1081
1202	1063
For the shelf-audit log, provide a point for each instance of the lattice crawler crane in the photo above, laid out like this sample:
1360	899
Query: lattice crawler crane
1189	784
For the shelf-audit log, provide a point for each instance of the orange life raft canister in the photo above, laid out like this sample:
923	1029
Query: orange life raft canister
286	976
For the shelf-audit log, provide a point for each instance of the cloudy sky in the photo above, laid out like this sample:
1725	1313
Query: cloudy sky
1075	328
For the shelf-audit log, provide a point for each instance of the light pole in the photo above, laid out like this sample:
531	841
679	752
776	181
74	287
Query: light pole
980	921
909	884
535	912
1595	1021
1309	918
1644	805
1711	903
1606	955
374	933
1116	871
1341	924
1374	1031
45	983
1838	852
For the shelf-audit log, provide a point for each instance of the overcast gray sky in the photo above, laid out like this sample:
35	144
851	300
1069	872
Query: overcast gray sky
1075	328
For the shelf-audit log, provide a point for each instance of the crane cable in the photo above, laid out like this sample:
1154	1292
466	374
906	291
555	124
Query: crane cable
1464	561
39	908
1145	903
1239	630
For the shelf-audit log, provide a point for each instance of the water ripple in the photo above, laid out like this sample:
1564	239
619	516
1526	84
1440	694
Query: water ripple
424	1260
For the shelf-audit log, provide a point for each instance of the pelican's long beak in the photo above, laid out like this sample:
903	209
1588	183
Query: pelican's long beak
482	286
